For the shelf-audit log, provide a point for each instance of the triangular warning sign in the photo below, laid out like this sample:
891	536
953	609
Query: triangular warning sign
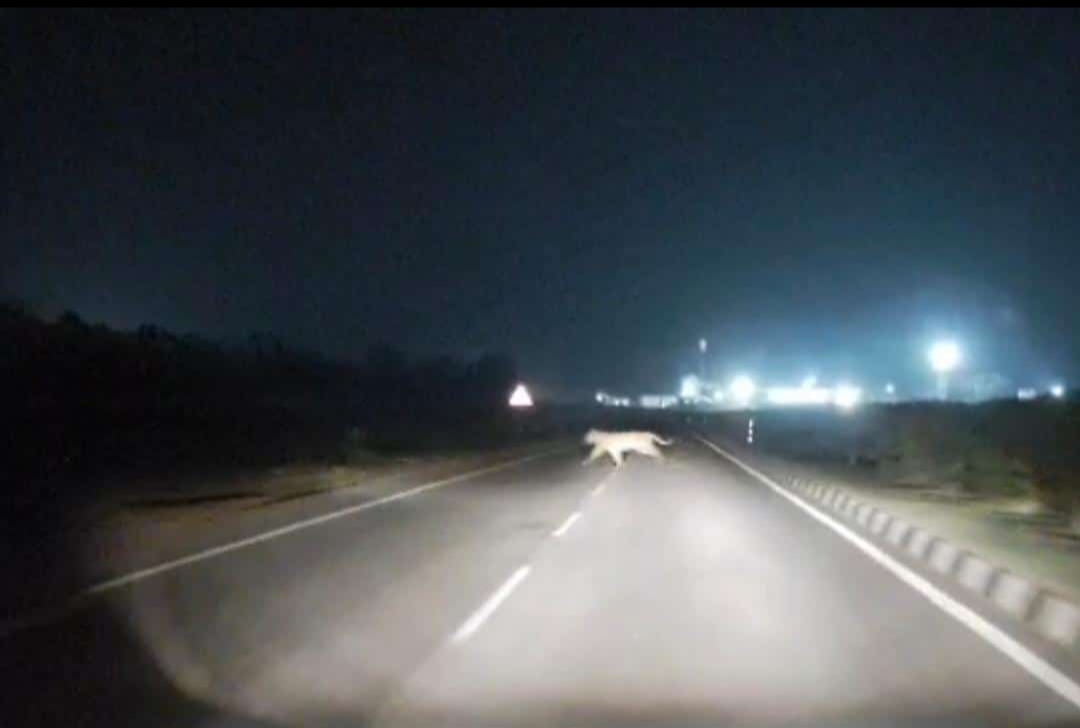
521	397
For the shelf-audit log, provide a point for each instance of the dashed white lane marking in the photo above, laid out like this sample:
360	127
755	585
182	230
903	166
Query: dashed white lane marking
481	615
603	482
476	621
561	530
1036	666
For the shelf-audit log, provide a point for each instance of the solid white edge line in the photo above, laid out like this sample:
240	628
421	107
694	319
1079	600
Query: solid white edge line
570	521
474	622
210	553
1035	665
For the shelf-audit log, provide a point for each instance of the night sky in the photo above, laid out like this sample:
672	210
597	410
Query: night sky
812	191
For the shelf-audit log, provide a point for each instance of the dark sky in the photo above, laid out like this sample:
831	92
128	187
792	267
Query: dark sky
812	191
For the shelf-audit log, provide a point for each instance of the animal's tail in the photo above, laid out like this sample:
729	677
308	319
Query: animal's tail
661	440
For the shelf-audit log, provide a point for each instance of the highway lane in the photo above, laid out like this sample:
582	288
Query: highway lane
321	620
688	593
681	592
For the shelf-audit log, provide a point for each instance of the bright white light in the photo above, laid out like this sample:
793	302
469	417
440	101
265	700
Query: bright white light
690	387
809	382
657	401
600	397
1057	391
742	389
846	396
890	389
944	356
702	345
1026	393
792	396
521	397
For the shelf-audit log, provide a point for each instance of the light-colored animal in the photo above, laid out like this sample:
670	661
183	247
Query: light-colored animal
616	444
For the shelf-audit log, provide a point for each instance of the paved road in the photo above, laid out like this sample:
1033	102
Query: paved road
681	593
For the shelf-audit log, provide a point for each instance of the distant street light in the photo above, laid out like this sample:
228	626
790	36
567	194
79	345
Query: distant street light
742	390
702	346
690	387
1057	391
846	396
944	358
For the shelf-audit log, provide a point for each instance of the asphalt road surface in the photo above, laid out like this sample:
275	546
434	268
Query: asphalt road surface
675	593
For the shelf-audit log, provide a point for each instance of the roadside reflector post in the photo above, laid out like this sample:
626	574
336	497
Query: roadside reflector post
521	406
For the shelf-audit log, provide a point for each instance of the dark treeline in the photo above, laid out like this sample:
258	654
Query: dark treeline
81	401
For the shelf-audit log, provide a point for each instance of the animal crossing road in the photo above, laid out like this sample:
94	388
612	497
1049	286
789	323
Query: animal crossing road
682	592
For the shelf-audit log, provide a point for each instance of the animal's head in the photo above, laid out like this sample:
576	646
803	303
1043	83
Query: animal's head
590	437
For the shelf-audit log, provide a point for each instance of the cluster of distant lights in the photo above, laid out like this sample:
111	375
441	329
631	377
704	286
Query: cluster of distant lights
743	392
945	356
1057	391
612	401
